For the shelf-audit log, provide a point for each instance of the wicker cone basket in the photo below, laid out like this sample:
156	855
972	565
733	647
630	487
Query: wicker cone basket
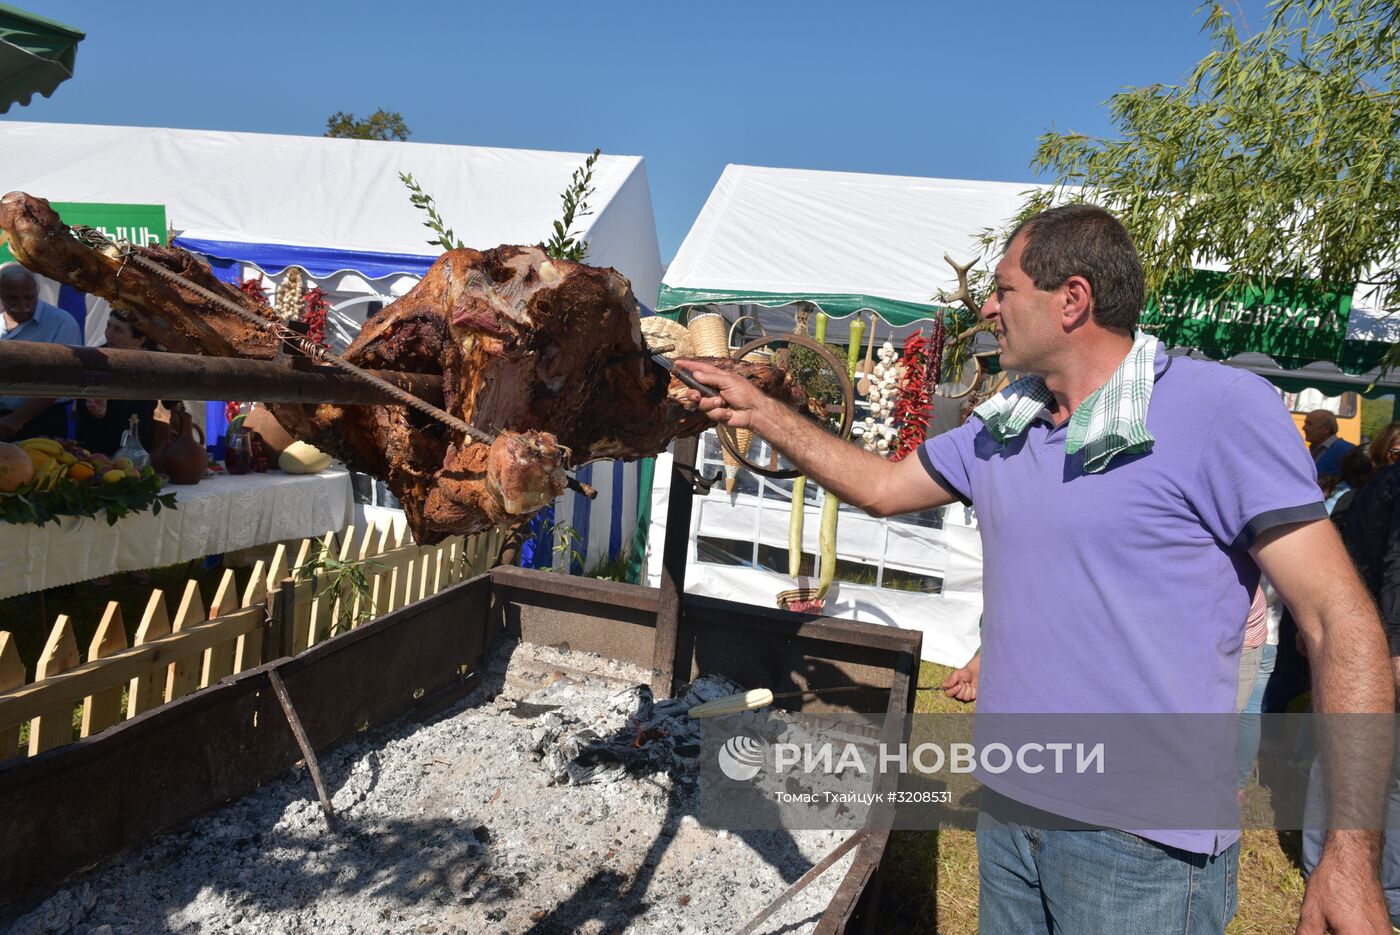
743	438
709	335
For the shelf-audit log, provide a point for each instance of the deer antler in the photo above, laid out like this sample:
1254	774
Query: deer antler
964	295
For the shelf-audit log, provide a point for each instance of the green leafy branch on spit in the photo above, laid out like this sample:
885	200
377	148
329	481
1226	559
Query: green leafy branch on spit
446	238
563	245
343	582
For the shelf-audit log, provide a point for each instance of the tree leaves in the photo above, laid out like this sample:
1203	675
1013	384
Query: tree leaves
1278	156
380	125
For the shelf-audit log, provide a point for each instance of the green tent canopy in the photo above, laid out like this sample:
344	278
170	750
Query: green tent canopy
36	55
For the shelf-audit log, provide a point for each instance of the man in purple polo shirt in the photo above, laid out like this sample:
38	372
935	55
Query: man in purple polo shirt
1128	502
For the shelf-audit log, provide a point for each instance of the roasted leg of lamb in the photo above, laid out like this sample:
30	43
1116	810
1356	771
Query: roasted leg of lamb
545	356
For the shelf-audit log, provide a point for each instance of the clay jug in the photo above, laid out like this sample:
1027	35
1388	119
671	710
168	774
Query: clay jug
161	436
183	460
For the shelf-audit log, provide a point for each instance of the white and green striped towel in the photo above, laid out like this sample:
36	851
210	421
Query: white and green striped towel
1111	421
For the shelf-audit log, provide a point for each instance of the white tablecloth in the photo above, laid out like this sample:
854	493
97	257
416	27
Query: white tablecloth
219	514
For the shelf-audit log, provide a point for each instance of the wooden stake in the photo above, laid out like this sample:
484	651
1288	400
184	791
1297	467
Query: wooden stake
147	691
103	709
54	728
11	676
218	661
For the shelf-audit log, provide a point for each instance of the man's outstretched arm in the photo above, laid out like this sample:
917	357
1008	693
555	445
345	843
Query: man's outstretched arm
858	477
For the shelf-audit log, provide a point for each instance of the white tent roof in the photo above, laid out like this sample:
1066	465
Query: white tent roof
877	240
338	194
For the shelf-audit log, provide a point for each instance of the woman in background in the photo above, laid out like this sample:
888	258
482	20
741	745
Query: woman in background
101	422
1385	450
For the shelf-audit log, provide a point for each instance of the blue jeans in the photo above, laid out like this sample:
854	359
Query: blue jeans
1095	882
1247	749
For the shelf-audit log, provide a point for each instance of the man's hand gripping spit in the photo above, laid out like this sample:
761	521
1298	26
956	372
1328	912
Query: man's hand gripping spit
858	477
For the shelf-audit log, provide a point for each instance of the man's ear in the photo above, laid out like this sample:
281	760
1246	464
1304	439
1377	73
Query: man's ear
1078	298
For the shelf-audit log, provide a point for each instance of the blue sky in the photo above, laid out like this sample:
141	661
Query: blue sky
956	90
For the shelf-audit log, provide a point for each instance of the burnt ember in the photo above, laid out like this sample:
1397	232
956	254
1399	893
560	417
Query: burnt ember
546	356
630	736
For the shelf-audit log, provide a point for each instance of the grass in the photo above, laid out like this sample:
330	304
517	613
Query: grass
931	876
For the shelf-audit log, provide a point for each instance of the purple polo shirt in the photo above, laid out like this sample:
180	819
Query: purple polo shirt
1127	591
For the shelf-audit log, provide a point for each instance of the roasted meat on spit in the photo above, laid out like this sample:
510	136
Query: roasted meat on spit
545	356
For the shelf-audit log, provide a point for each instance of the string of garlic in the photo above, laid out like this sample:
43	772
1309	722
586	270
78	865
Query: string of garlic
879	433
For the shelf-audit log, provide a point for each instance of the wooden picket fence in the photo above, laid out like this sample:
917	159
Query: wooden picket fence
289	604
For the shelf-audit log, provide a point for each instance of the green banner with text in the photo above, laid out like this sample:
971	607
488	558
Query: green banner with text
1294	321
143	225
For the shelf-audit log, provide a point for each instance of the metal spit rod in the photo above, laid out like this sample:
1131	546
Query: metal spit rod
96	239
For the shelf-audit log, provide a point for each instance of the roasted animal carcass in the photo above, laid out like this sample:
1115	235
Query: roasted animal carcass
545	356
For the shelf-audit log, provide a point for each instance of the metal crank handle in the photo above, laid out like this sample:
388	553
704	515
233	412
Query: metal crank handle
581	488
684	377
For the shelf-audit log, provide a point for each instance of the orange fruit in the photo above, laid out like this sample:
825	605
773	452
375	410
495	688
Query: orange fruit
81	471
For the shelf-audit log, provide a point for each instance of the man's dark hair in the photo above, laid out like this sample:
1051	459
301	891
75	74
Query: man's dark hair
1085	240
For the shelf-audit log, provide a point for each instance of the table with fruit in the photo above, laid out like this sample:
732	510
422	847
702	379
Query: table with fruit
44	479
68	515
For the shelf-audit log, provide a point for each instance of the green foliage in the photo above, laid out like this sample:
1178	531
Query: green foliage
110	501
380	125
446	238
1278	155
1376	414
563	243
610	570
567	545
332	578
814	376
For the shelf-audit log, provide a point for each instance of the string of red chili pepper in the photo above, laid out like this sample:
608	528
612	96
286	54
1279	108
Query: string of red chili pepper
313	315
935	358
254	289
911	409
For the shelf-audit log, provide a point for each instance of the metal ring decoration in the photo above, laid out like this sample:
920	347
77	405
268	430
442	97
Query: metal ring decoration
848	398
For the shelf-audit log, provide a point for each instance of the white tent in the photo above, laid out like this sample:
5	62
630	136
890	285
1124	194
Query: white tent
255	204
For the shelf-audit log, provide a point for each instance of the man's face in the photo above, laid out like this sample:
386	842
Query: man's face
1024	318
19	296
1315	428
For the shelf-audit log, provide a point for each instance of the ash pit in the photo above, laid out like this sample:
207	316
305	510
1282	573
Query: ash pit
556	797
